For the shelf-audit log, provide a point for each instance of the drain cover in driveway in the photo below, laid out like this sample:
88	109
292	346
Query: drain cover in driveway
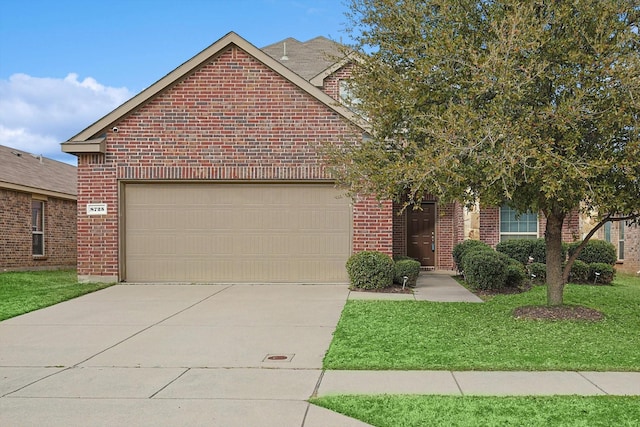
278	358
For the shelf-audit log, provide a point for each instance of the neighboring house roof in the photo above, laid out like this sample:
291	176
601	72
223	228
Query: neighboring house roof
23	171
91	139
307	59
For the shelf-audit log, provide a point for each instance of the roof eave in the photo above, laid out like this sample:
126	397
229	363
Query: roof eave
90	146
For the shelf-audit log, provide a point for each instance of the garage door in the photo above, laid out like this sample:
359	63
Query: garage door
235	233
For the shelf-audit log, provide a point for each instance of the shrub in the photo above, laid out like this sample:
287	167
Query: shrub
485	269
462	248
370	270
539	251
406	267
606	273
579	272
518	249
537	272
595	251
515	274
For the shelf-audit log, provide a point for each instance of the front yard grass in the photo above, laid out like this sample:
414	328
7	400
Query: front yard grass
25	291
472	411
410	335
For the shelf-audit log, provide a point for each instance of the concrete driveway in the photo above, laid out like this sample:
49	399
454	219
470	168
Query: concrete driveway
188	355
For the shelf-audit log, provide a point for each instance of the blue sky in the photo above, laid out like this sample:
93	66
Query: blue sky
66	63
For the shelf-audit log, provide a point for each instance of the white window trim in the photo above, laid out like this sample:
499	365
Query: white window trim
35	232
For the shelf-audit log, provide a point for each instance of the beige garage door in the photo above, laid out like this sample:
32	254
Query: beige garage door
237	233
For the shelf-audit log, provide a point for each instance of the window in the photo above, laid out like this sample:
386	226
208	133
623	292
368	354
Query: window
517	226
37	227
347	97
607	231
621	240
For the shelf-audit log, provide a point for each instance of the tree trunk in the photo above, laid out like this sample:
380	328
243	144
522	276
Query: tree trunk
553	241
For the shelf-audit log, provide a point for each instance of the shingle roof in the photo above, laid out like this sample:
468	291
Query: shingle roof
306	59
36	172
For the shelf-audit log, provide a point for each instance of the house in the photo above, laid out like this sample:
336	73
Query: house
626	239
37	212
215	174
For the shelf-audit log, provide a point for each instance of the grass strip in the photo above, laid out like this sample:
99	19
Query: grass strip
417	335
472	411
25	291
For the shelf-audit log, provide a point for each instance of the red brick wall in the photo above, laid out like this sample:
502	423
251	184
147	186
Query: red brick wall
16	236
399	230
231	119
373	226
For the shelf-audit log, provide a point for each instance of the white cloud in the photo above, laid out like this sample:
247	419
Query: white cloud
37	114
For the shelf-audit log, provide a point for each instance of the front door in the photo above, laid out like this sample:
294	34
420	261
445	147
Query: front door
421	234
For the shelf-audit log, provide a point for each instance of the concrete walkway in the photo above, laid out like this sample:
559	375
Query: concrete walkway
437	286
221	355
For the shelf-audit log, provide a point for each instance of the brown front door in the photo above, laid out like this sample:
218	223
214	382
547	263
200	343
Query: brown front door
421	234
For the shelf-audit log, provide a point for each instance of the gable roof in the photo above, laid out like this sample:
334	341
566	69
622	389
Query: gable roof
307	59
91	139
23	171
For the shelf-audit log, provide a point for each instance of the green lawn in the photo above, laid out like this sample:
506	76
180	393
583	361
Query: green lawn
465	336
472	411
22	292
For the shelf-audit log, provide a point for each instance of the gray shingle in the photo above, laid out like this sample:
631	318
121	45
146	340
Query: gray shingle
21	168
306	59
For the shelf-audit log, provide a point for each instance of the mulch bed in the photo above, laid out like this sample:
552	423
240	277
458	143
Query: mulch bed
393	289
560	312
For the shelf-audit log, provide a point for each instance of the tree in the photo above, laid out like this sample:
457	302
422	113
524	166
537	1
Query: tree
532	103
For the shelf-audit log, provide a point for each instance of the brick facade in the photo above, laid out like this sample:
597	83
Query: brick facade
231	119
16	236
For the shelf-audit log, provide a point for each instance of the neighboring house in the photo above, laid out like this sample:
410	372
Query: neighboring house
215	174
37	212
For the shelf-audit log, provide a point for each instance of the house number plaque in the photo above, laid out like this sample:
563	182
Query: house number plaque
96	209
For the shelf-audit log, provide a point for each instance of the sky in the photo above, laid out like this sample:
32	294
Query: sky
64	64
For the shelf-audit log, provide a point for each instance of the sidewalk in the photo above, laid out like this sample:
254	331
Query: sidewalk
498	383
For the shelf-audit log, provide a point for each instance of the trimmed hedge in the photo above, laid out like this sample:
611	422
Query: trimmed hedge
606	273
462	248
516	274
595	251
485	269
537	272
518	249
579	272
406	267
370	270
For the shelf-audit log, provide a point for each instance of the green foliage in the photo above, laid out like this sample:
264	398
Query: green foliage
605	273
370	270
515	274
531	103
461	249
595	251
405	335
25	291
406	267
579	272
485	269
471	411
518	249
537	272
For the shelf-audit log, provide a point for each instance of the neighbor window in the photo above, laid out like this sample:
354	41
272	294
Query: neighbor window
621	240
517	226
37	226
